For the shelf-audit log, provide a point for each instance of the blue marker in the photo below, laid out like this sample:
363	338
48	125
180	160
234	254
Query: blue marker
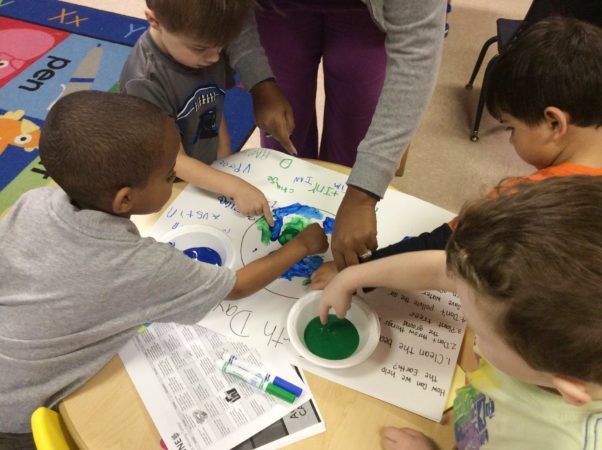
267	377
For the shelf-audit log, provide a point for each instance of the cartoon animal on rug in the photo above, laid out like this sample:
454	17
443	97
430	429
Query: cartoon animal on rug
19	46
17	131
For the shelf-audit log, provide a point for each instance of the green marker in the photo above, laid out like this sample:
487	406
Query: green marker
280	393
255	380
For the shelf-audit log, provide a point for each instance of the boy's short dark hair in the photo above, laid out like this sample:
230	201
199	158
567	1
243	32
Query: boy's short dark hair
94	143
536	251
555	62
217	22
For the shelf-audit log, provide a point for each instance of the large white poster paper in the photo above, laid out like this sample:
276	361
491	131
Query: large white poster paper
421	333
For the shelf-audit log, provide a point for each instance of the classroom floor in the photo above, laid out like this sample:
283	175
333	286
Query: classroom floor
444	167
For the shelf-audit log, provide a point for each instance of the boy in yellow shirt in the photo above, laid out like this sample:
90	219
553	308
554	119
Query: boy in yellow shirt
527	267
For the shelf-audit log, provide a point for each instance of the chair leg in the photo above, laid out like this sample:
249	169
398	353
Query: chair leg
477	66
474	137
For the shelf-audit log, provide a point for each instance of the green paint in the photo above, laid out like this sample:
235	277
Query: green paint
262	225
306	281
338	339
292	228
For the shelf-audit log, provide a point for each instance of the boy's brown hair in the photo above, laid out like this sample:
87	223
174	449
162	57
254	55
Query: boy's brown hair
95	143
555	62
216	22
536	250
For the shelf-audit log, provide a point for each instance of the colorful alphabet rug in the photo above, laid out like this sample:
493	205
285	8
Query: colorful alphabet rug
49	48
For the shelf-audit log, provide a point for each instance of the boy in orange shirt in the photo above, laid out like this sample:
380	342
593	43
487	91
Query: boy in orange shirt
547	89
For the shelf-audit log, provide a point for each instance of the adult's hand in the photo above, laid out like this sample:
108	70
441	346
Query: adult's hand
273	113
354	232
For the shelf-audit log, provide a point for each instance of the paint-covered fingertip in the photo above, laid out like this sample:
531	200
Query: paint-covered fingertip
323	317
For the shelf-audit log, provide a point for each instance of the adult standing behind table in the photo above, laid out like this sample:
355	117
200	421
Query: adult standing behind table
381	59
271	109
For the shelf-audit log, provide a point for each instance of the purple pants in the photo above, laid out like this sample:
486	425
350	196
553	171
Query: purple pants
353	52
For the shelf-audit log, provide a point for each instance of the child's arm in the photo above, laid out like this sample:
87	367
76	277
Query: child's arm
249	200
434	240
224	148
415	271
263	271
431	240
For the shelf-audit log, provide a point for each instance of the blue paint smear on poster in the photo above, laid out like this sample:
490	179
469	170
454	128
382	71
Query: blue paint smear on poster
296	209
309	264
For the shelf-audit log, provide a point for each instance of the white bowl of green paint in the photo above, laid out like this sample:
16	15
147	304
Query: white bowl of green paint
341	342
203	243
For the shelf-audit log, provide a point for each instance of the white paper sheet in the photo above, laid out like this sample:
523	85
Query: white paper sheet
421	332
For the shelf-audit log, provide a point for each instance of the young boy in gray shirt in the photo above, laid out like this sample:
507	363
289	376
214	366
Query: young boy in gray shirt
179	64
77	279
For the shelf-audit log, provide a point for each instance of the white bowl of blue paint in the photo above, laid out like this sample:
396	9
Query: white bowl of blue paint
339	344
202	243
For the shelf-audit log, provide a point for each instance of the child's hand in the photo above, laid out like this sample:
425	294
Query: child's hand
321	277
406	439
337	297
251	202
273	113
314	239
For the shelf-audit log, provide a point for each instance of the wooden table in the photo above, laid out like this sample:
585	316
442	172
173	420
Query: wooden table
107	412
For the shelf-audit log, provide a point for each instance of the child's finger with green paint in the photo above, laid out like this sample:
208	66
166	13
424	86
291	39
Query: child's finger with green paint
340	304
324	308
267	213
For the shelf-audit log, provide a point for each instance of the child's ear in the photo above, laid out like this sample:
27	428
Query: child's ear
122	201
573	391
557	121
152	19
